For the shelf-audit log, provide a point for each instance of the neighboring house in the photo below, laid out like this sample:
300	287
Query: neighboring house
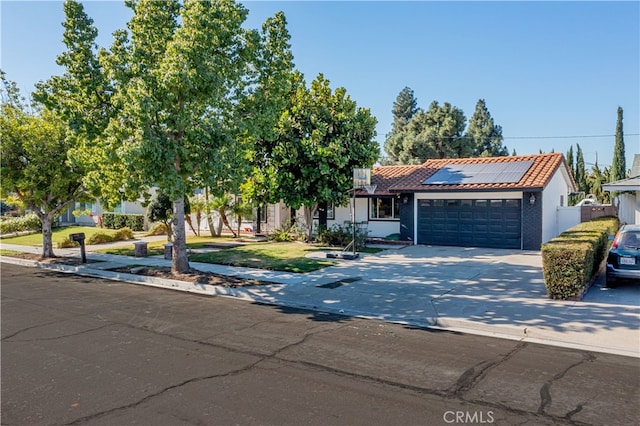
501	202
628	202
95	211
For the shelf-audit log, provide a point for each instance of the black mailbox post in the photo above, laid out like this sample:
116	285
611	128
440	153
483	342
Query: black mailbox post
79	237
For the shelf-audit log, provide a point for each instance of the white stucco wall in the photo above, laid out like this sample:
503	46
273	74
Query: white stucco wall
376	228
558	187
629	208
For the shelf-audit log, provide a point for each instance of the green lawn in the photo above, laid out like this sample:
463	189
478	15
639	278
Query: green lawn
286	257
157	247
59	234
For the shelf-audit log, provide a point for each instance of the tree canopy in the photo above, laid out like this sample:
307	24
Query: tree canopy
170	115
323	136
35	165
439	132
484	136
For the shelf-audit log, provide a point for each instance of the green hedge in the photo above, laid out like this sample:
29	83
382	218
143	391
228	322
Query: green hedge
119	220
570	260
28	222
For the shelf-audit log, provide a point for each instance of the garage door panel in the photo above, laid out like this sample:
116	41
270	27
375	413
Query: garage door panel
479	223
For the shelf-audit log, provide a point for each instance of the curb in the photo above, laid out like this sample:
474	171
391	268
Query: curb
435	323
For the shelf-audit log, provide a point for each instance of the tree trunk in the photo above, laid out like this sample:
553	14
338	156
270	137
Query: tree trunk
198	221
258	229
187	217
219	227
180	262
223	217
212	228
167	224
308	217
293	216
322	215
47	242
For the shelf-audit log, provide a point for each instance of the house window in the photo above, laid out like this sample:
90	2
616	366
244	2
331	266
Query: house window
384	208
330	212
84	207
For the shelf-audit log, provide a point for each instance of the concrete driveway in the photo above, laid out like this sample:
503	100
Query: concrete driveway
483	291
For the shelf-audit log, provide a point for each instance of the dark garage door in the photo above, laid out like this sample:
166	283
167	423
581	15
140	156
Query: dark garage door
470	223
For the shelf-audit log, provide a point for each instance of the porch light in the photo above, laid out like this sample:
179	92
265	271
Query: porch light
532	199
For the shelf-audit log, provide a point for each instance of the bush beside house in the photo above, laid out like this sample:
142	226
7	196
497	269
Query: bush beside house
570	261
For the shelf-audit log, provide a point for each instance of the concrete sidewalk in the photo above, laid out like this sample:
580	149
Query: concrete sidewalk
491	292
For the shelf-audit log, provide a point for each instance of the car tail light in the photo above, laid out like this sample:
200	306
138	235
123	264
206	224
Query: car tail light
616	241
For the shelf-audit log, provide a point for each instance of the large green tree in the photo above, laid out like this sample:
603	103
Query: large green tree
435	133
322	137
483	134
618	164
35	167
176	77
82	96
263	108
404	108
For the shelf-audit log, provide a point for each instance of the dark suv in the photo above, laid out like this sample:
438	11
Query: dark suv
623	261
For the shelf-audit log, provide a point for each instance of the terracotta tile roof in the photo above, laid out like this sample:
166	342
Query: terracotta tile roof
394	179
387	176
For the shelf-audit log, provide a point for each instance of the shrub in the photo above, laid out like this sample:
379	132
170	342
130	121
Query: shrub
570	260
123	234
120	220
28	222
100	238
157	229
288	233
67	243
340	236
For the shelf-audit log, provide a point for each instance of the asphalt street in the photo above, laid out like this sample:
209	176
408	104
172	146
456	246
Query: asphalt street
81	350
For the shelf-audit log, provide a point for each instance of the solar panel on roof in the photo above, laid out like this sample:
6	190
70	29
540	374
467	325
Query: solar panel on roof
461	174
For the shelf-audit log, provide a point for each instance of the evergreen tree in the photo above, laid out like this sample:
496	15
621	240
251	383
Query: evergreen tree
435	133
581	174
484	135
404	108
618	165
570	160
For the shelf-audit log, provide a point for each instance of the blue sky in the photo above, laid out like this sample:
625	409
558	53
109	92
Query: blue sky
548	71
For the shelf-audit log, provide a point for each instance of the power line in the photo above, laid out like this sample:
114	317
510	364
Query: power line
567	137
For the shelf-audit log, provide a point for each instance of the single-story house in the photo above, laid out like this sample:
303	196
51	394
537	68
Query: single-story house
628	201
499	202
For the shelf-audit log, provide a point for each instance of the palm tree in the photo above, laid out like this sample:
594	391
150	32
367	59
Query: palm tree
198	206
222	205
239	209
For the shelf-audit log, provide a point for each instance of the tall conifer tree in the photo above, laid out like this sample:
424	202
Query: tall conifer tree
618	165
